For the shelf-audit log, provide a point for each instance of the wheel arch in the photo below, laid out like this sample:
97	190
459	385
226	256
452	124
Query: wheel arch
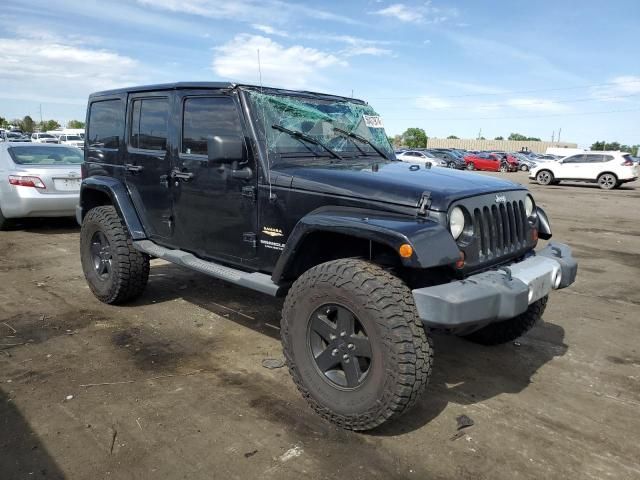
329	233
97	191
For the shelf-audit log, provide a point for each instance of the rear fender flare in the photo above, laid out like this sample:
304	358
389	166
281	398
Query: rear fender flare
432	243
120	199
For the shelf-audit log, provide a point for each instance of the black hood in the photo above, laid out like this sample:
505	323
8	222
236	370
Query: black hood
393	182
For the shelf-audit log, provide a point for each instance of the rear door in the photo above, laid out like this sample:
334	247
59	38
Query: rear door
595	165
147	164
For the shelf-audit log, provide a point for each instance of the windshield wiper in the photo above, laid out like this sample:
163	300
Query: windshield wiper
361	139
307	138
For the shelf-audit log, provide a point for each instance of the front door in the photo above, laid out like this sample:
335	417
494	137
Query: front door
214	203
147	163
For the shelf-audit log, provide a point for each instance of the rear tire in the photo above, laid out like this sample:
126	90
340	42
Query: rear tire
504	168
471	166
115	271
524	168
544	177
508	330
393	369
607	181
4	222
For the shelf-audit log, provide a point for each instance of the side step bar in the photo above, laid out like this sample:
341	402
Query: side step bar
255	281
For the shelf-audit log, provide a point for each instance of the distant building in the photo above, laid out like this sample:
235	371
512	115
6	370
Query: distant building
497	145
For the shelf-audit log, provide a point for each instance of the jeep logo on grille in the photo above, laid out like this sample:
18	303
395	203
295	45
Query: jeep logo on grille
501	199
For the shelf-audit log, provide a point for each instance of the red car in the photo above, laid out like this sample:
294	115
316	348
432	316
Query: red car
486	161
511	160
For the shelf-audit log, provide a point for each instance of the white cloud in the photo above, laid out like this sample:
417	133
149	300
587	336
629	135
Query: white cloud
361	46
536	105
253	11
402	13
30	67
293	67
618	89
425	13
269	30
433	103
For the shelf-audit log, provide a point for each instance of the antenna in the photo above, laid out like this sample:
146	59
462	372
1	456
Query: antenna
264	124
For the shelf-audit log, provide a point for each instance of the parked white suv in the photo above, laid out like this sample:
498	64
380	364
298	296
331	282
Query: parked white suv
607	169
73	140
39	137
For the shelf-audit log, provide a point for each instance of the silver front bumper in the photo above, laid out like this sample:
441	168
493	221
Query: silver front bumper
498	294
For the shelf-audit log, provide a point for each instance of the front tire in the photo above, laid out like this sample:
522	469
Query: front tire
115	271
544	177
504	168
471	166
524	168
508	330
354	344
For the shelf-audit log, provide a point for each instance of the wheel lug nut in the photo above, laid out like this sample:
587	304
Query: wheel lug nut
345	357
334	352
351	346
343	334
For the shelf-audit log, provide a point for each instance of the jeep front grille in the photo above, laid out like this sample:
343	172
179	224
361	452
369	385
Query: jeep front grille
500	229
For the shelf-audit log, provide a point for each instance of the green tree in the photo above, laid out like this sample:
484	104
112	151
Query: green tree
3	122
49	125
415	138
27	124
613	146
521	138
499	138
452	137
75	124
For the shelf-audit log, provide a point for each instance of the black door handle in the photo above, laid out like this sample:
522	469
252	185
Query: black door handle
134	168
181	175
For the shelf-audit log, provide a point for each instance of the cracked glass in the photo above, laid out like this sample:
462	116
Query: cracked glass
317	129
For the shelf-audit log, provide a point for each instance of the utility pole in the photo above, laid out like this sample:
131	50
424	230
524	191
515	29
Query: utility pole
480	134
40	114
553	136
559	132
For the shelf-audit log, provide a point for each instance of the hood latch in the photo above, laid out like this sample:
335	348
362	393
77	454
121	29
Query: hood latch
424	204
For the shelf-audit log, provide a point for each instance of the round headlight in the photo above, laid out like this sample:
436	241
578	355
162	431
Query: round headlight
456	222
529	205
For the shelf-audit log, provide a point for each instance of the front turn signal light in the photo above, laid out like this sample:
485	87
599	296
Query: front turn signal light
460	262
405	250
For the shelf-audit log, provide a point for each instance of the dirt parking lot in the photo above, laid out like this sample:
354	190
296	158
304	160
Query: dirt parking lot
172	386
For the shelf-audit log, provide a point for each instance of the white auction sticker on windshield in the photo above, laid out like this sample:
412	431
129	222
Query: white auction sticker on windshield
373	121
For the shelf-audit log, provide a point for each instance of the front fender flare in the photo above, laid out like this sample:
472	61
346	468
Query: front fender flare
117	192
432	243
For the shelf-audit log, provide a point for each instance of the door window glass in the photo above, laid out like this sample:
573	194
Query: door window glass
106	124
205	117
149	121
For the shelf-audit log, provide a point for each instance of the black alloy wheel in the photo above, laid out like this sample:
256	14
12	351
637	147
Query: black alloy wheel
101	255
339	345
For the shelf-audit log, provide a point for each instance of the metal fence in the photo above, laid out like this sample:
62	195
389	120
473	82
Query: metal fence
498	145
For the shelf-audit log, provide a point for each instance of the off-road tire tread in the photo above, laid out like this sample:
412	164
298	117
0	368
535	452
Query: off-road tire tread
131	267
409	349
508	330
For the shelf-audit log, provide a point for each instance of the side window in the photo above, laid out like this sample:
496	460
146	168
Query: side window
208	116
106	124
149	119
575	159
594	158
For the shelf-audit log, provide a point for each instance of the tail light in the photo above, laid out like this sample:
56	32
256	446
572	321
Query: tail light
627	163
23	181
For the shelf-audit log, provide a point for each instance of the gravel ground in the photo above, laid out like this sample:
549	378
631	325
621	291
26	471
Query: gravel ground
172	386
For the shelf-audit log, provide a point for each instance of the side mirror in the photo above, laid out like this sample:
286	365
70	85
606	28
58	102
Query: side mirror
225	149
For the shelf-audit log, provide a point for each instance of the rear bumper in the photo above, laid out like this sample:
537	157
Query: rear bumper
496	295
24	202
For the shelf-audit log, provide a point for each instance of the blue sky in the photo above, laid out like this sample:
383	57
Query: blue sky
450	67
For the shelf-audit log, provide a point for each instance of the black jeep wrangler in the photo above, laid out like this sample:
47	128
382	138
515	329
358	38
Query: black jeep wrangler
299	194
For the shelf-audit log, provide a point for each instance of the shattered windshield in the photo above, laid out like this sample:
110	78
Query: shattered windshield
328	130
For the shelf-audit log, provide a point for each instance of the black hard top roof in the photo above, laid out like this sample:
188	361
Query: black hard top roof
219	86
